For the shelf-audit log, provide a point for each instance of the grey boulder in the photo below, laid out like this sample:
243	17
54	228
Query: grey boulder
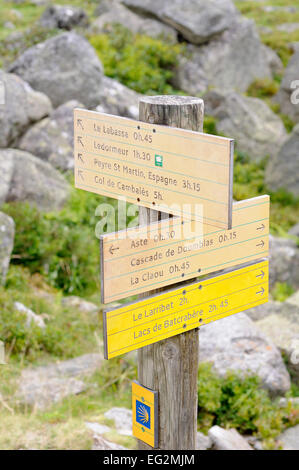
116	13
290	438
288	94
20	106
7	234
282	327
227	439
294	230
284	261
196	20
65	67
52	138
283	170
63	17
236	344
269	309
230	62
40	387
27	178
117	99
122	418
257	130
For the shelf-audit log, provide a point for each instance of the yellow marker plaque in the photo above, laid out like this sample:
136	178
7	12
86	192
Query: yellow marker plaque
172	170
161	255
161	316
145	414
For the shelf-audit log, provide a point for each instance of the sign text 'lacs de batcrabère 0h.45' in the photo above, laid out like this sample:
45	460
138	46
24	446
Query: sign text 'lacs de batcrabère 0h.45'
139	259
172	170
161	316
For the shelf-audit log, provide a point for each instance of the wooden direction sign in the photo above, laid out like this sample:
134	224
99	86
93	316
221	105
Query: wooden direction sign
160	255
161	316
172	170
145	414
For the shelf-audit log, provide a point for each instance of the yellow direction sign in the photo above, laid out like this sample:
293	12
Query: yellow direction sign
161	316
172	170
138	260
145	414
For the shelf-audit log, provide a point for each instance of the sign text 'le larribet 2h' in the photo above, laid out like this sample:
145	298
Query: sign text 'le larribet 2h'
156	255
189	175
162	168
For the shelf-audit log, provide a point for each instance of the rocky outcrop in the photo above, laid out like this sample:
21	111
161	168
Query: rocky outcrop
116	13
7	233
270	308
284	262
63	17
40	387
283	170
227	439
257	130
122	418
27	178
235	343
65	67
288	94
294	230
231	62
197	21
52	138
282	327
118	99
20	106
31	317
290	438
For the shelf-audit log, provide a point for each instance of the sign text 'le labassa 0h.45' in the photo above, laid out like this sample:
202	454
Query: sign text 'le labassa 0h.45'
161	316
137	260
172	170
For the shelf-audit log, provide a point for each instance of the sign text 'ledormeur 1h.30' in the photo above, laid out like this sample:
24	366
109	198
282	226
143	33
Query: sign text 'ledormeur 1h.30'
181	309
172	170
140	259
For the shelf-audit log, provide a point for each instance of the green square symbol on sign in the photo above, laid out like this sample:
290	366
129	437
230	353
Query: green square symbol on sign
158	160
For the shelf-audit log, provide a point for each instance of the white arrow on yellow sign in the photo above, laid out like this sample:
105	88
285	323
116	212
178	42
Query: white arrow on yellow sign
148	321
141	259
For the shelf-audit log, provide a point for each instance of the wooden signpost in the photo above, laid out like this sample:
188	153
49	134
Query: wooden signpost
160	255
176	171
167	166
182	309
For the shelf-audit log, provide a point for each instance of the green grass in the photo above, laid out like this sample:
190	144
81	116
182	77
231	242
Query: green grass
138	61
242	404
249	182
277	40
281	291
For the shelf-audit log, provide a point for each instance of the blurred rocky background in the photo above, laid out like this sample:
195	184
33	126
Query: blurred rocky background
242	57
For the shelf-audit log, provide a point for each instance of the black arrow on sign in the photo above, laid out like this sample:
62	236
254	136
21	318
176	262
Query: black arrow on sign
112	250
261	275
261	244
261	227
80	157
80	174
79	140
261	291
79	123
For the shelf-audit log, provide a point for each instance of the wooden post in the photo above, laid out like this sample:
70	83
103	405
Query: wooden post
171	366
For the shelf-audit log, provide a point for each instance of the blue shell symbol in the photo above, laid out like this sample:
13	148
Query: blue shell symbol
143	414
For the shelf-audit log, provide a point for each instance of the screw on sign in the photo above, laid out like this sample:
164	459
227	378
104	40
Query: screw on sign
170	171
